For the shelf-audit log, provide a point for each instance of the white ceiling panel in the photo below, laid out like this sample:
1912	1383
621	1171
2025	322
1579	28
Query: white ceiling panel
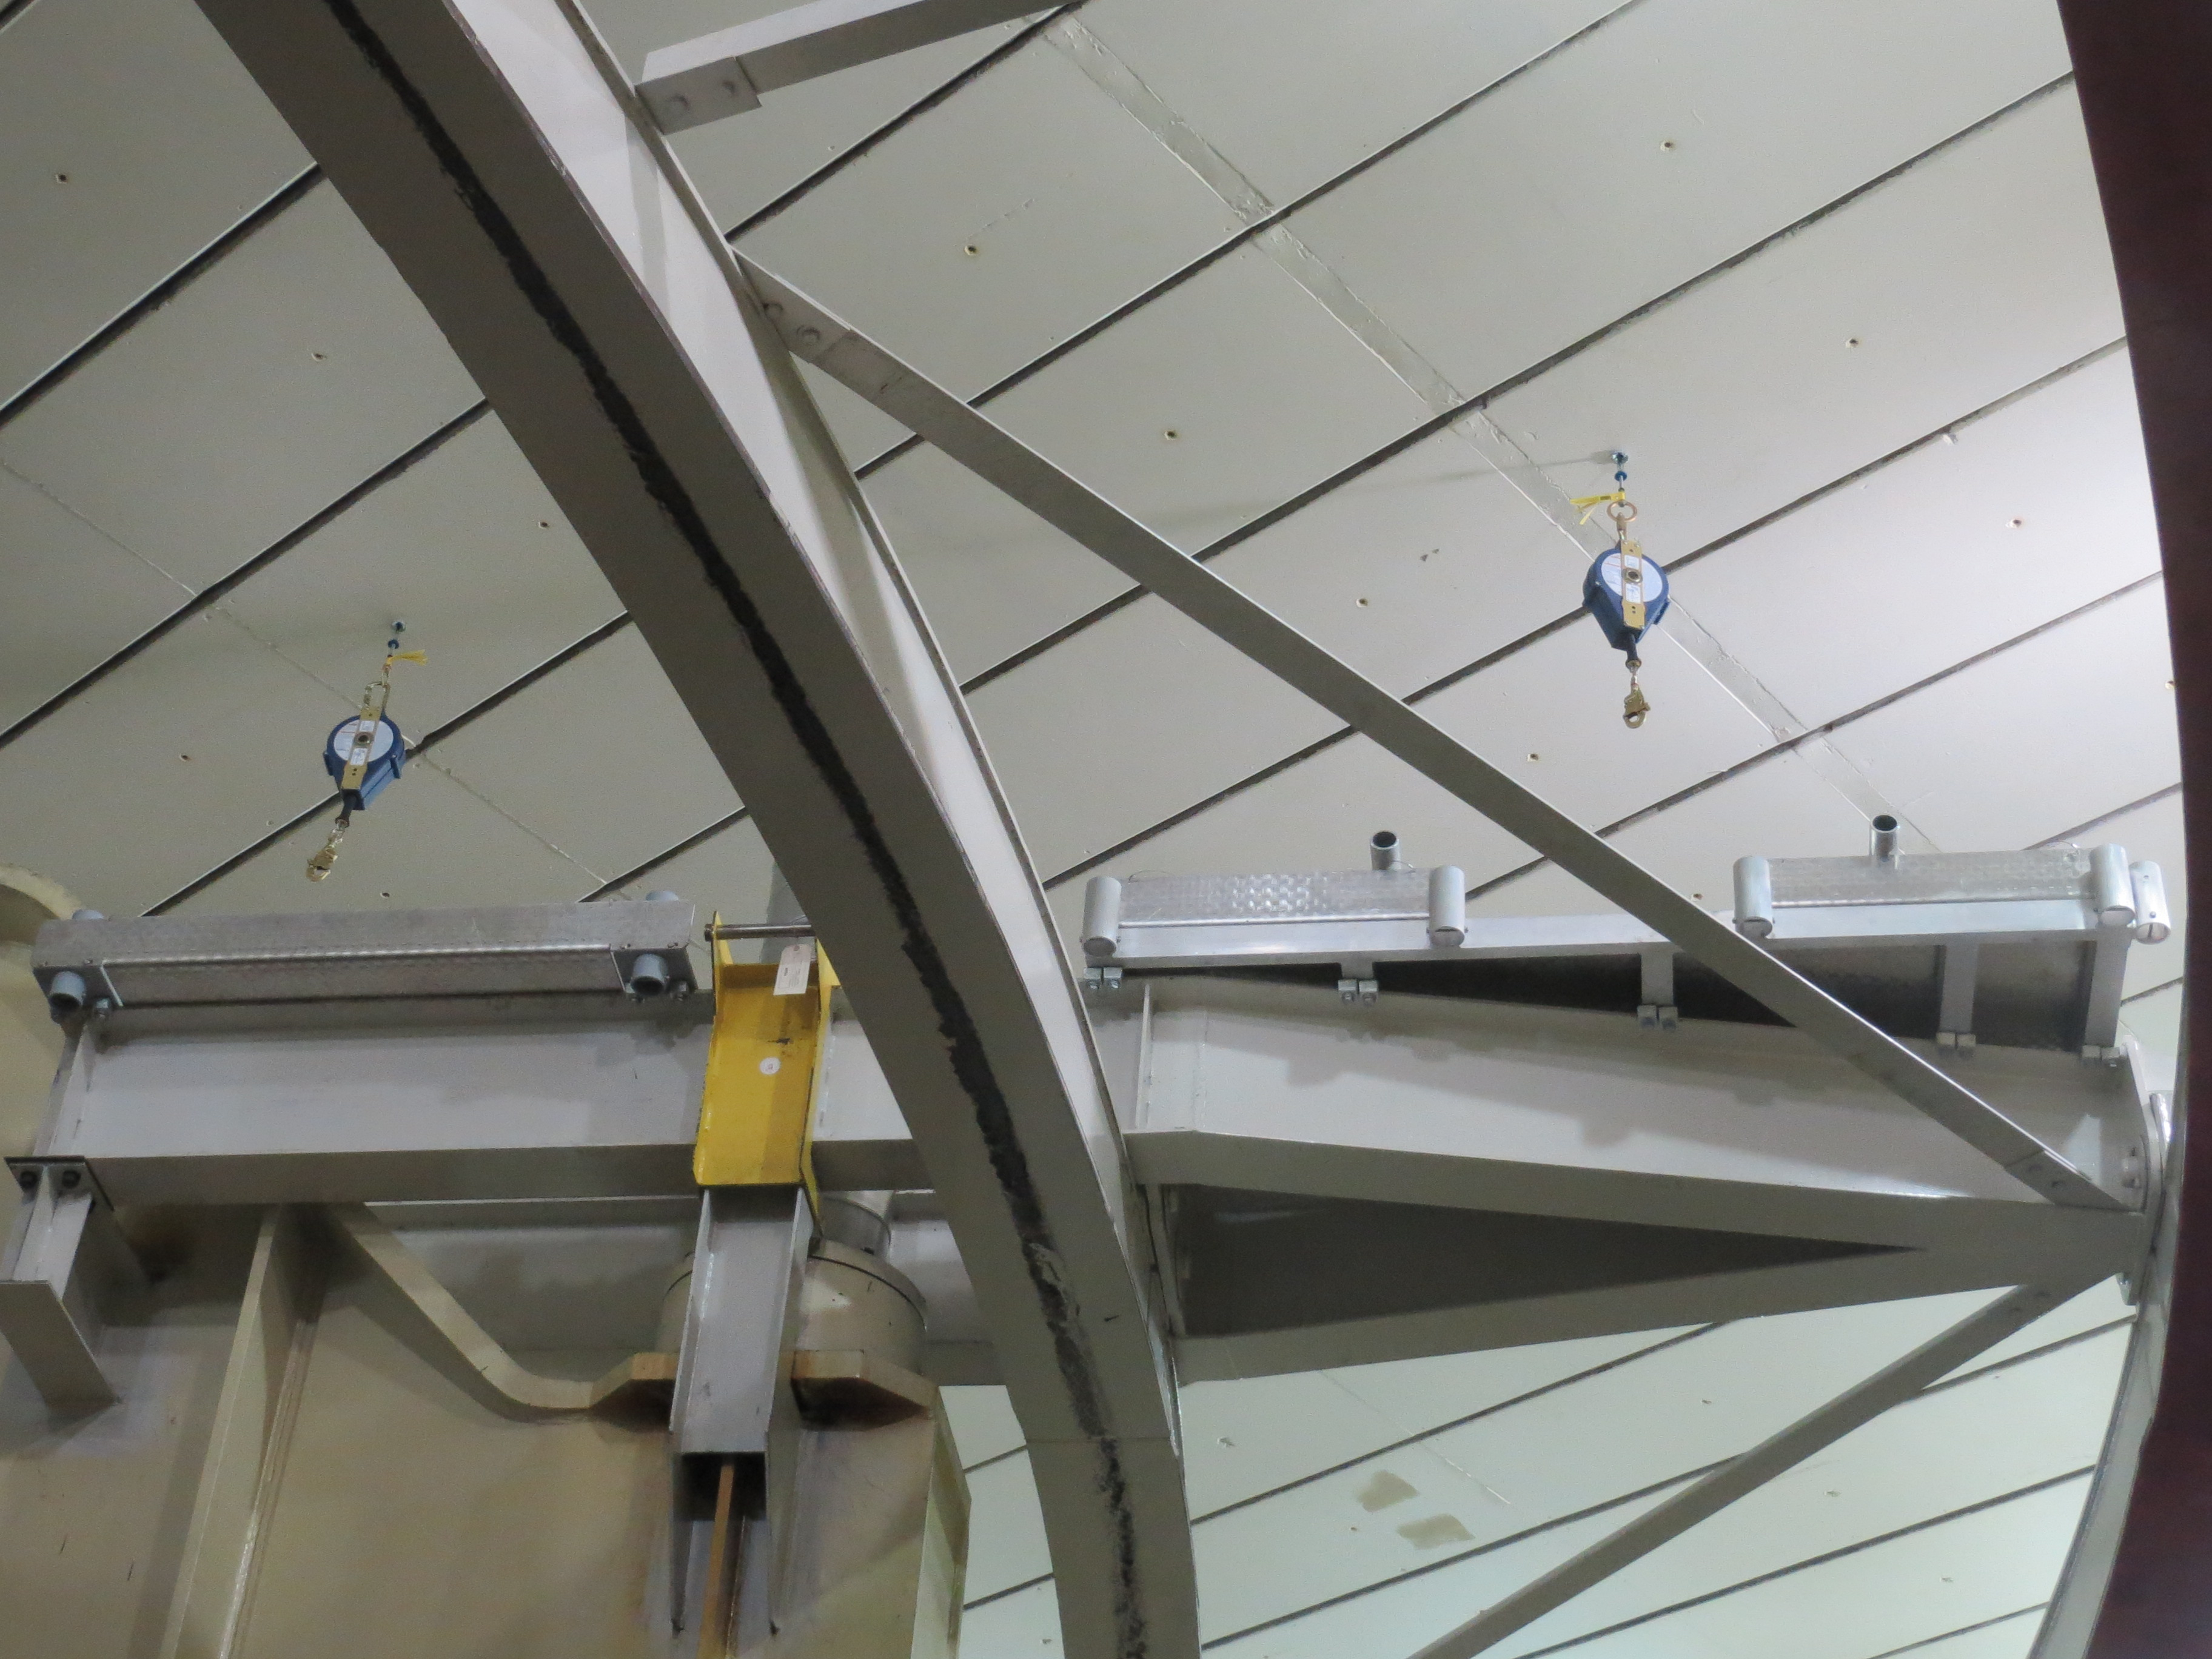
166	768
1608	1434
2038	508
1998	1433
729	872
74	597
267	389
428	841
1246	1437
1069	205
1945	289
2012	1638
1128	722
467	548
1022	1626
605	730
992	577
983	1422
1213	403
1416	569
2090	700
1005	1529
1564	201
742	164
130	139
1977	1567
2154	1019
1295	92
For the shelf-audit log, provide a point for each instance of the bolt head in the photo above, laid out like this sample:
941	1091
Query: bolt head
71	1180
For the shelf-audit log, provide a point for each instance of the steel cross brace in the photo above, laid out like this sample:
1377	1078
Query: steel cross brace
986	449
495	151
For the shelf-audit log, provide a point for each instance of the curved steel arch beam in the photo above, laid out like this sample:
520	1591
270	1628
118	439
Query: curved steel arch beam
494	152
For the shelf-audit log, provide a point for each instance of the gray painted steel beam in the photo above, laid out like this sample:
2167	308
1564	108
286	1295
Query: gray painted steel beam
1776	1456
725	73
994	454
495	151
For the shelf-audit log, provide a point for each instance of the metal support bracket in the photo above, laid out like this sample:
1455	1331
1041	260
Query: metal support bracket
63	1240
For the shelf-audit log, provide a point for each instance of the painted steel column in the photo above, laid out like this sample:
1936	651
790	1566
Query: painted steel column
493	150
2143	68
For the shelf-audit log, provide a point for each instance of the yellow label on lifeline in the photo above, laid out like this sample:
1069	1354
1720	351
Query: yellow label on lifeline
1632	612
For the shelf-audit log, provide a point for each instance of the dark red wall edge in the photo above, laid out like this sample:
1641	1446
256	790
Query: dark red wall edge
2145	75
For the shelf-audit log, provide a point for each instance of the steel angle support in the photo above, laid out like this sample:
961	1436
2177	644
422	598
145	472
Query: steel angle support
1776	1456
495	151
725	73
972	438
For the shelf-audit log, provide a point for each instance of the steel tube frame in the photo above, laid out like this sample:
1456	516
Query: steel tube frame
495	152
1775	1455
986	449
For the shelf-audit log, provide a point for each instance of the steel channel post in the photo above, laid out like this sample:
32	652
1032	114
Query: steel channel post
995	455
491	149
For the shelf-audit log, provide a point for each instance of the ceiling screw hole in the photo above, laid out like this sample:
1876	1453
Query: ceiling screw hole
320	357
545	524
1666	143
1171	434
1362	602
61	178
1853	341
1532	755
971	249
2018	523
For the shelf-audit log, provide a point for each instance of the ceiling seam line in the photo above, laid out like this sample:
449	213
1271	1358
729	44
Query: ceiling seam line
1962	1512
2079	1337
1422	431
160	294
2151	799
215	592
1222	249
12	10
1614	1502
1427	1567
913	111
698	839
1789	746
430	739
1506	1541
1503	1406
2150	990
1963	1630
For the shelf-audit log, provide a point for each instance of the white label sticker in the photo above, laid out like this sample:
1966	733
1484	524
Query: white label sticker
792	967
771	1065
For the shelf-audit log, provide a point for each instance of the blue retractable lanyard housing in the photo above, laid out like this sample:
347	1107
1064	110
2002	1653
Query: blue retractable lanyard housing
387	754
1602	598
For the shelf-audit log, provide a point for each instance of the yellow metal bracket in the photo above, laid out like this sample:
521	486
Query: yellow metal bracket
763	1066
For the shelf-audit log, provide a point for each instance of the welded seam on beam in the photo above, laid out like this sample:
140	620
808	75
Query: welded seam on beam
905	118
430	739
1535	635
160	294
1824	1560
215	592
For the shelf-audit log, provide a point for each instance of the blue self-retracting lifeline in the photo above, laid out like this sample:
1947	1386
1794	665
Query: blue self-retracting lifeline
1625	591
363	754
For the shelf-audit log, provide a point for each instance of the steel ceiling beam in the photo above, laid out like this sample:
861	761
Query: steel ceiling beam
977	442
495	152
